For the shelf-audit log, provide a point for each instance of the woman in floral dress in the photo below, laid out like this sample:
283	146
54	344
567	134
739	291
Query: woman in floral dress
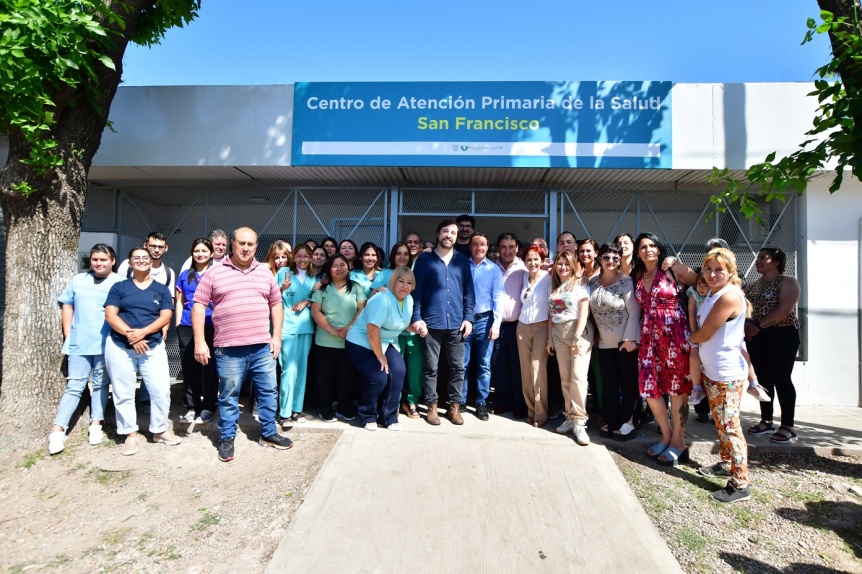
664	351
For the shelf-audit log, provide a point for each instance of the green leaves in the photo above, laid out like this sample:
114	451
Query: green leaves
53	50
837	126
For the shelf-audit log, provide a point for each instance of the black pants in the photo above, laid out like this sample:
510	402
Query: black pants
200	380
432	344
506	370
336	381
773	352
619	386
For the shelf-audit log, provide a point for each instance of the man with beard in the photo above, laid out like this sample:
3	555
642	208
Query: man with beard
443	309
466	226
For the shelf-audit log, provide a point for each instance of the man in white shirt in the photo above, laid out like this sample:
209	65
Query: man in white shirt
505	363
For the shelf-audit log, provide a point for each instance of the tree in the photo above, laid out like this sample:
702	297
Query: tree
836	135
60	65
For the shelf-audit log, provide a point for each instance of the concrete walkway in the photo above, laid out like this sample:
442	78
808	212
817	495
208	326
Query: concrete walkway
498	496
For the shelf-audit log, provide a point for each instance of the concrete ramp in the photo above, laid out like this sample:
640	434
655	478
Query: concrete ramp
485	497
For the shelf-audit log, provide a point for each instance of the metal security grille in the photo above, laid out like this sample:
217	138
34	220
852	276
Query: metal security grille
684	221
478	202
294	215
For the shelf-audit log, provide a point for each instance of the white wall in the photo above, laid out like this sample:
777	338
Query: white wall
829	243
737	125
198	126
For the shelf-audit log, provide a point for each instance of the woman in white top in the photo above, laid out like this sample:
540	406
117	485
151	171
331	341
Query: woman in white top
532	332
570	339
722	321
618	317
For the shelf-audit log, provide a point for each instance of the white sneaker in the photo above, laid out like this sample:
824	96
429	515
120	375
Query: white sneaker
96	434
567	426
696	395
189	417
581	436
371	426
758	392
56	442
394	427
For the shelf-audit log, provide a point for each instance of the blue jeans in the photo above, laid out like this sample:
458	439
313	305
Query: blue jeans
80	367
232	364
479	342
381	391
153	366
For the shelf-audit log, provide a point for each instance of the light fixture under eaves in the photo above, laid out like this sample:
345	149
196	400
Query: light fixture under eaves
258	199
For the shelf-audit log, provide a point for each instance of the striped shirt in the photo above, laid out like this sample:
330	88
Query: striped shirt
241	300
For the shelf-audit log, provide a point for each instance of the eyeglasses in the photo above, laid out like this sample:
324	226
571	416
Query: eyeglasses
141	258
155	247
612	258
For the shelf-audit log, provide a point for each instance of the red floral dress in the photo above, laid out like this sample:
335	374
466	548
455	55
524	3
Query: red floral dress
664	349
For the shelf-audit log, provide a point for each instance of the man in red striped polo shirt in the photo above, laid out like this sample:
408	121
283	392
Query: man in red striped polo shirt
245	299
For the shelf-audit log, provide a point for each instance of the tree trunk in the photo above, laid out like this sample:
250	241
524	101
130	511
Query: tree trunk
41	253
42	233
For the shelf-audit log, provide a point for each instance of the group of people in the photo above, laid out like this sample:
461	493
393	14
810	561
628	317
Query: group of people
361	336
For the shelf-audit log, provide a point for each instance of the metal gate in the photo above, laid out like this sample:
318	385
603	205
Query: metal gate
294	215
684	221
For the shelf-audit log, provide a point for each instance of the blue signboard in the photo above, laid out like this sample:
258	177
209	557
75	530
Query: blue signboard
483	124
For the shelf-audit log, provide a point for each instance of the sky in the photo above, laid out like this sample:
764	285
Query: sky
265	42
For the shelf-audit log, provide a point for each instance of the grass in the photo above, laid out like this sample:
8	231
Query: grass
143	496
745	517
691	539
105	478
32	458
58	561
115	537
170	553
207	520
48	496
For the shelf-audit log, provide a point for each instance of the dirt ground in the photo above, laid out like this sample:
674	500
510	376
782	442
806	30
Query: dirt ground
805	514
165	509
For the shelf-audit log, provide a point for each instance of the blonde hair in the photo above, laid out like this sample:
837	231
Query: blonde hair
727	259
555	279
398	273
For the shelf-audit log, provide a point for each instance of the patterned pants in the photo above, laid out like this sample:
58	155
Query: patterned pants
724	401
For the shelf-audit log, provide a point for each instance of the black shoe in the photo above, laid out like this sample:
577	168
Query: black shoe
482	412
276	441
731	494
225	450
703	417
718	469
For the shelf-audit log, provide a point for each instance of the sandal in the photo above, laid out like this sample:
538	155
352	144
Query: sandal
656	450
784	435
673	456
625	432
410	411
604	432
130	447
762	427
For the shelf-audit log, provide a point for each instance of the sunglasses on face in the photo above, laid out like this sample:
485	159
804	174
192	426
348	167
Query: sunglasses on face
612	258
